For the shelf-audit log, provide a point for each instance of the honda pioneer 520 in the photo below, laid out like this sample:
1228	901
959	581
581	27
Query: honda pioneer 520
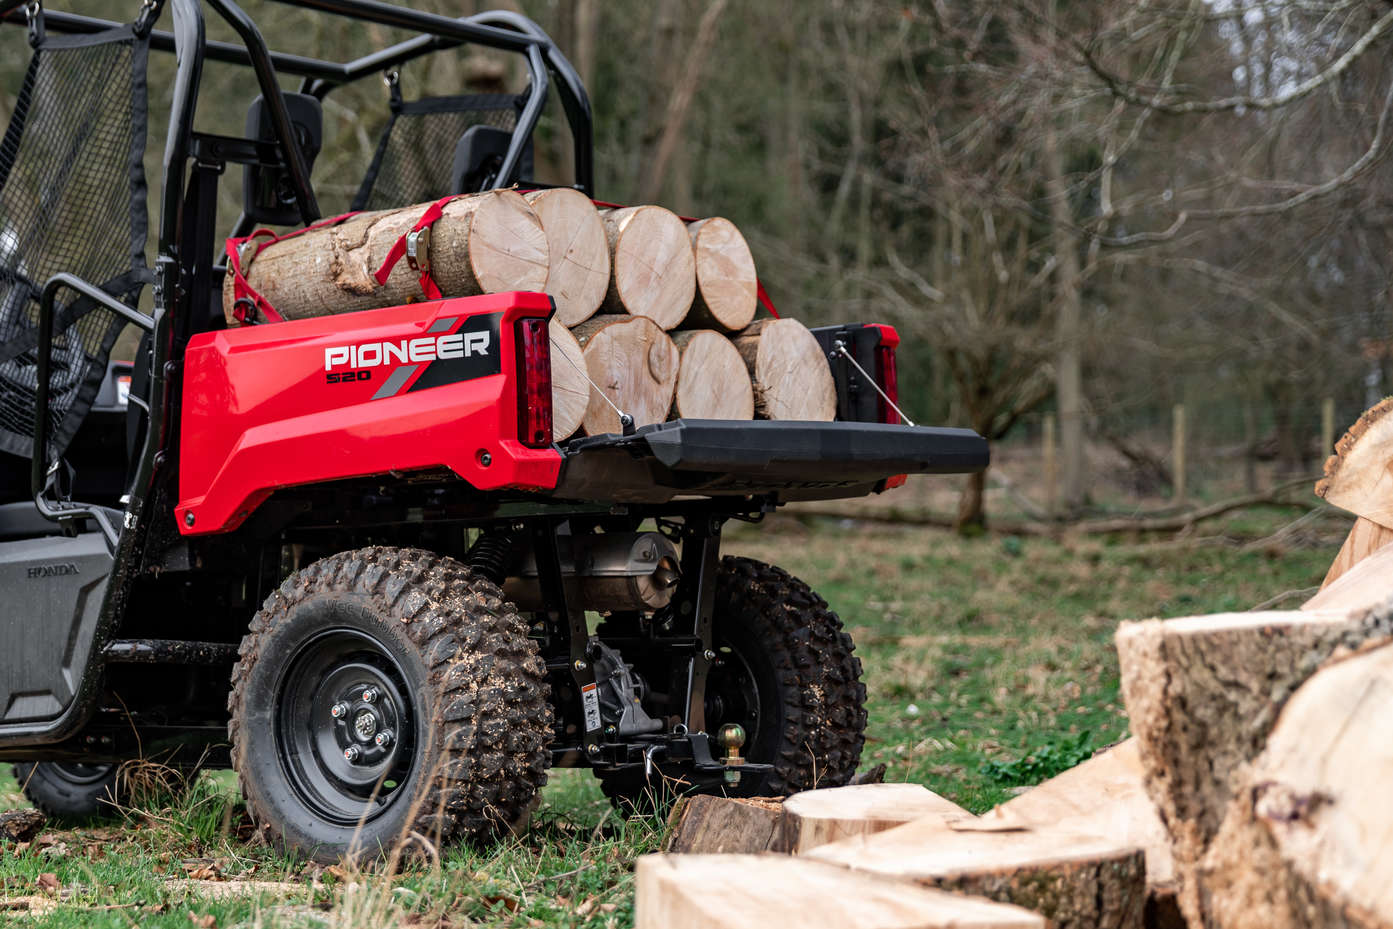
390	610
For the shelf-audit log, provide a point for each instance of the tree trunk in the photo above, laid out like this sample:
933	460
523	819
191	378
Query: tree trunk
570	391
483	243
1202	693
634	363
653	270
1068	330
726	283
819	817
1308	841
791	377
761	891
972	503
1074	881
712	382
578	250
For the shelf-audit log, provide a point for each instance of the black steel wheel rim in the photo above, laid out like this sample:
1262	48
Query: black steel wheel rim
345	726
732	694
78	773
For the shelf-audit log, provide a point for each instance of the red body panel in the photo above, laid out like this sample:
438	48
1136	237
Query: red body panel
259	411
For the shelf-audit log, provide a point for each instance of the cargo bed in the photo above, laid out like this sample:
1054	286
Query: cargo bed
796	460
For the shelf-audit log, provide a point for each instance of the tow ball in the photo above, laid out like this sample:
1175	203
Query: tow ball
732	738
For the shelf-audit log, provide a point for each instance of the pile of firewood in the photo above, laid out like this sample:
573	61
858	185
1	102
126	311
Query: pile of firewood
1252	794
655	312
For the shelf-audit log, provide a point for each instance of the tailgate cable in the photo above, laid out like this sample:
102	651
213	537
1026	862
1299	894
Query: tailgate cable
839	348
626	422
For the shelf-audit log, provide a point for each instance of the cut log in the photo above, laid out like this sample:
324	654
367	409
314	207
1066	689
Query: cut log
1365	537
712	382
1074	881
1359	476
1103	796
792	379
1309	840
759	891
1367	584
1202	693
731	825
578	252
727	287
820	817
570	391
653	270
482	243
634	363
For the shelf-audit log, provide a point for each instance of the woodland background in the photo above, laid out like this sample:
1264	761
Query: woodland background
1082	211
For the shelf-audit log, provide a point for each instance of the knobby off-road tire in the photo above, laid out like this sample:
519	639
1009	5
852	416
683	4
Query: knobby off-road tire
787	673
67	792
456	684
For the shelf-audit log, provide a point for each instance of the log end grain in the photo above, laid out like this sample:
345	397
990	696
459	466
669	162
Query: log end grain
1358	477
712	382
792	380
820	817
570	391
507	246
578	252
758	891
653	270
726	282
634	363
706	824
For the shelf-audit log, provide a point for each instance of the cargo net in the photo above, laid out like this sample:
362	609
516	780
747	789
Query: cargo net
72	198
415	157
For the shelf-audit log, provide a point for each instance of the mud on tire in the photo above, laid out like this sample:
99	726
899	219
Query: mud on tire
457	688
779	639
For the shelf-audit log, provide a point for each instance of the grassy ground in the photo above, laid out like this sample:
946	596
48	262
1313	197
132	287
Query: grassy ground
988	663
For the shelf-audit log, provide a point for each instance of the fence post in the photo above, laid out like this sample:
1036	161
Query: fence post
1327	426
1051	466
1178	452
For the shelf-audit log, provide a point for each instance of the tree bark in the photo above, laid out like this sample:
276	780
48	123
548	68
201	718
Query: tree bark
790	374
634	363
1068	329
578	250
483	243
712	382
762	891
1202	693
653	270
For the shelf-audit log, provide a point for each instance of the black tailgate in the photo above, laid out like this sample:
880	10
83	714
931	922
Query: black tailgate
797	459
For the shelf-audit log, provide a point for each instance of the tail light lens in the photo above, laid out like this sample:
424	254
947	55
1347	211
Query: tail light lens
534	383
889	380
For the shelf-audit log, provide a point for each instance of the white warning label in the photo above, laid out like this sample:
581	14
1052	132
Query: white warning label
590	698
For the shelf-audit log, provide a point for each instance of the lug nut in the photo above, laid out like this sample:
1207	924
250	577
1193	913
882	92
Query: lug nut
592	748
709	655
580	664
350	754
383	738
338	710
370	695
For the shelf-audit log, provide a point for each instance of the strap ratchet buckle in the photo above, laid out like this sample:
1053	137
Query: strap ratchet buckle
418	250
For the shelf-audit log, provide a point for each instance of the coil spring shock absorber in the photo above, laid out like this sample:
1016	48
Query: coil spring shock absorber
491	555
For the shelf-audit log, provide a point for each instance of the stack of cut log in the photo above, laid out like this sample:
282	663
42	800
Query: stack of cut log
1253	794
655	316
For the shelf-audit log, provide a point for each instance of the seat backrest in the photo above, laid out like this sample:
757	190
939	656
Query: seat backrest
72	198
415	155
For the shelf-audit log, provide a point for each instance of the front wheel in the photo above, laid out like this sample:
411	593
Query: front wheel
70	791
385	692
786	672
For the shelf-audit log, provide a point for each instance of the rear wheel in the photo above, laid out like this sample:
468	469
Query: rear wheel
383	692
785	671
69	791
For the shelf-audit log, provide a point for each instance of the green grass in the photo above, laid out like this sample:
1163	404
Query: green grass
989	665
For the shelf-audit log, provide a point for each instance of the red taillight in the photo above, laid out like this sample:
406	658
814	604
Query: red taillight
889	381
534	383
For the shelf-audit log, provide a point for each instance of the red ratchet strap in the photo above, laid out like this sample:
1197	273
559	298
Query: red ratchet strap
760	292
415	245
247	304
